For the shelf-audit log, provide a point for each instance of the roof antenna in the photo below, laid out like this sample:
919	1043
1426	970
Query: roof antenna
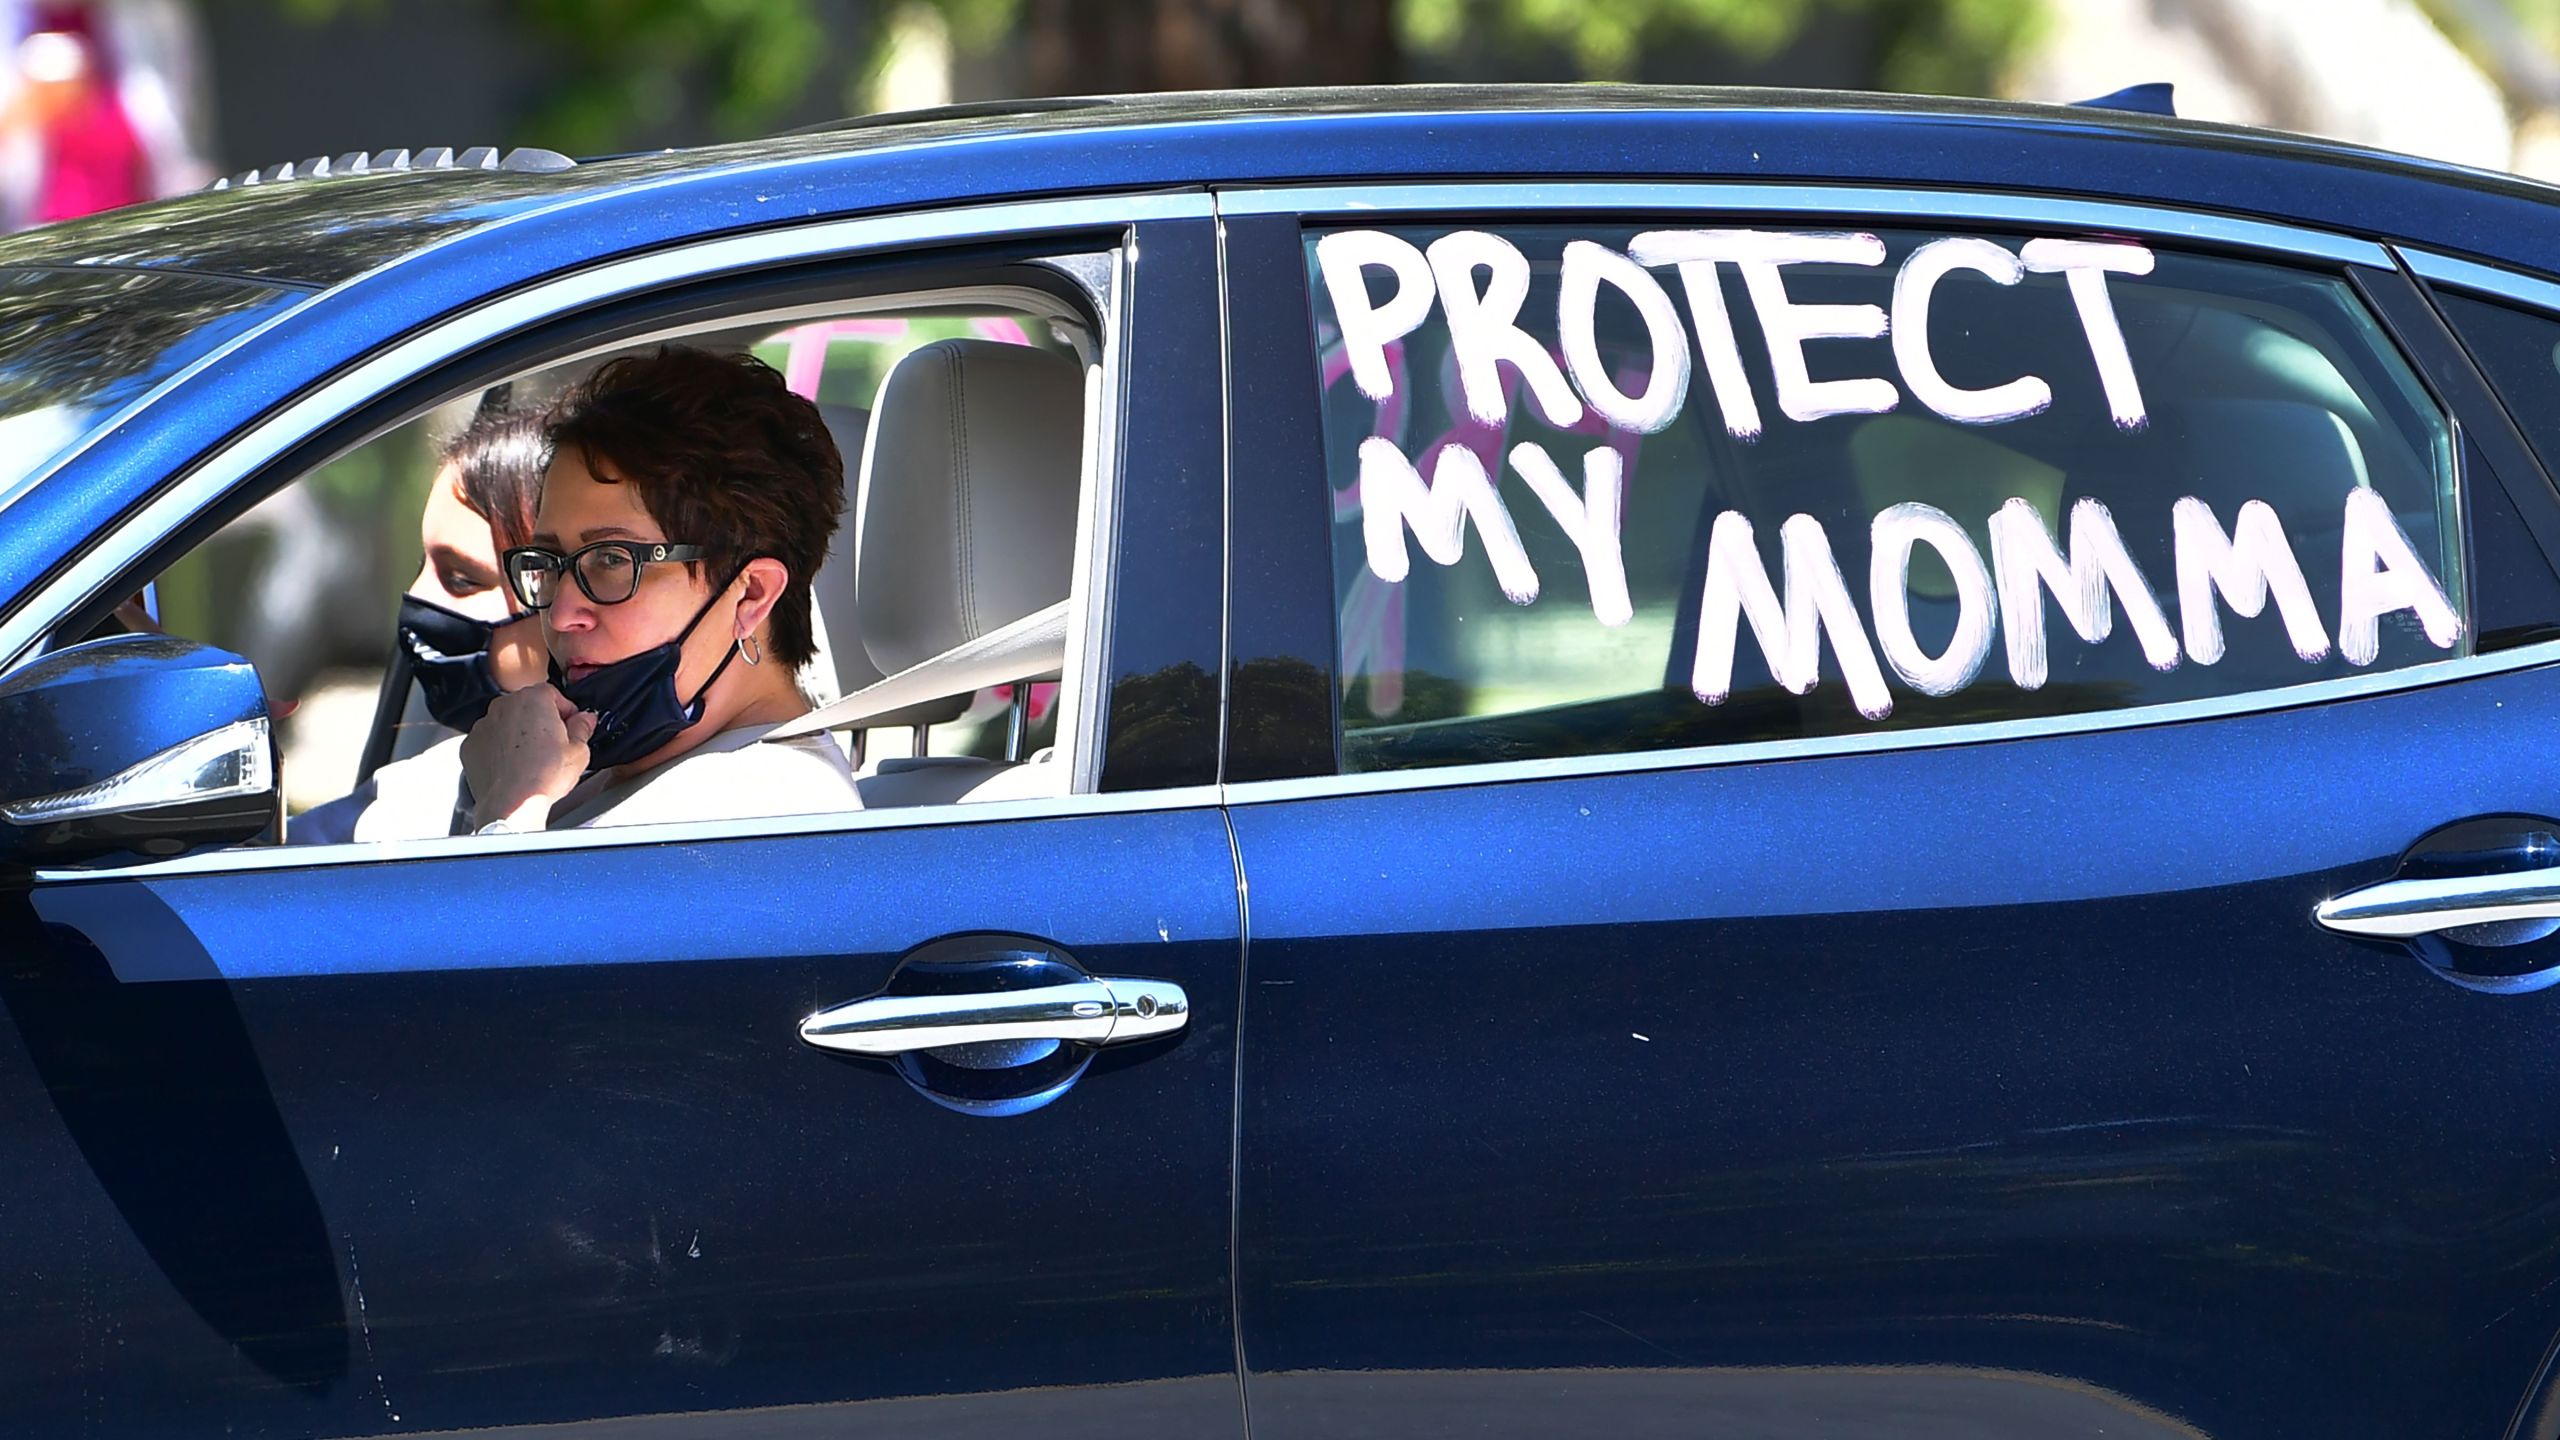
2150	99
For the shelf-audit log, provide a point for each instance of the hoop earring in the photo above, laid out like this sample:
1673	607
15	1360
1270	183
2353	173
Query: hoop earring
749	650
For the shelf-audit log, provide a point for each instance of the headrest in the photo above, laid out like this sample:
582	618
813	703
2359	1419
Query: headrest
966	510
842	665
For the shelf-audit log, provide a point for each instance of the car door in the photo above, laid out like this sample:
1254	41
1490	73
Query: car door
496	1135
1713	972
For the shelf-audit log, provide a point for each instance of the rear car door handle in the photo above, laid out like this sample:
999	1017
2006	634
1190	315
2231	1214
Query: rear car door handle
1105	1010
2405	909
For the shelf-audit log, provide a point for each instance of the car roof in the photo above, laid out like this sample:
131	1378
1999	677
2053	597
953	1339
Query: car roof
319	232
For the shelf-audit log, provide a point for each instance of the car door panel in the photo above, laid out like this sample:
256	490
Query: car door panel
1734	1089
515	1160
1857	1079
520	1135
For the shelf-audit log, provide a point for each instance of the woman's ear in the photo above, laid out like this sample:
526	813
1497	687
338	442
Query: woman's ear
760	586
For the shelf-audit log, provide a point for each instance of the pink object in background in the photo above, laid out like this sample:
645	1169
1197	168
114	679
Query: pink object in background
91	158
1373	641
804	361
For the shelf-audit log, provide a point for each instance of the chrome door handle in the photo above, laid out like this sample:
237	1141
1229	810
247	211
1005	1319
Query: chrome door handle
1105	1010
2404	909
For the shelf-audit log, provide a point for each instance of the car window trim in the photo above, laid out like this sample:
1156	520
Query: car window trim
244	455
1334	202
1083	700
1699	757
2444	366
2497	286
1279	532
2489	282
664	833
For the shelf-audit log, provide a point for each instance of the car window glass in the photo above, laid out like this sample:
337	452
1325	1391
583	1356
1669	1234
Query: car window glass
1628	488
306	584
76	346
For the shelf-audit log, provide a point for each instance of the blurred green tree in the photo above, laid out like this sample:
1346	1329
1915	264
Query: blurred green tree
1951	47
755	61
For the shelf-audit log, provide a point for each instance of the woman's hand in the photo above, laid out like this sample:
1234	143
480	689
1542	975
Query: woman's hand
526	753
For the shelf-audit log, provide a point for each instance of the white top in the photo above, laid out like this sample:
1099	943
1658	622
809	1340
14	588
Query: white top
413	799
736	774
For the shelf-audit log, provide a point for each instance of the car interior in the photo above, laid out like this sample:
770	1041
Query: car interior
941	616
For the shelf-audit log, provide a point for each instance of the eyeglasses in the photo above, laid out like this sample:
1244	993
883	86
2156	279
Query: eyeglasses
608	571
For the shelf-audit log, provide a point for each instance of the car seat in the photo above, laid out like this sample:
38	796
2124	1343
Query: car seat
842	664
964	530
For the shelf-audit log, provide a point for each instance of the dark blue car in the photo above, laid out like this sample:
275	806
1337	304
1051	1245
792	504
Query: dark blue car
1652	763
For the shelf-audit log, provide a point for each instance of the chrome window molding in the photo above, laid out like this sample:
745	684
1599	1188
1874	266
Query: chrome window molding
1084	682
234	463
1226	497
1561	199
612	837
2486	280
2257	702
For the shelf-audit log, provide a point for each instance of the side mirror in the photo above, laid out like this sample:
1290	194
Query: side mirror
129	748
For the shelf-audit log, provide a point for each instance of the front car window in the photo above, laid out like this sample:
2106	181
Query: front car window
76	346
1612	488
307	584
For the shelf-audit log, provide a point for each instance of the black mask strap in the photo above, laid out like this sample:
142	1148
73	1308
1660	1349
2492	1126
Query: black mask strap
693	706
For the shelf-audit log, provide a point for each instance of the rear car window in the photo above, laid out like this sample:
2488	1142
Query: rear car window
76	346
1629	488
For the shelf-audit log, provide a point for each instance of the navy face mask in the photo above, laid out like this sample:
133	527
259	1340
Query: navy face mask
450	655
634	698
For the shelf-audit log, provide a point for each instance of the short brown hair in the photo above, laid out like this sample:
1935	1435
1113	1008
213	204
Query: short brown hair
725	457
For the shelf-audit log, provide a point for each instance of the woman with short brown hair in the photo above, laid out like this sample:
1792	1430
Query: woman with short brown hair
690	498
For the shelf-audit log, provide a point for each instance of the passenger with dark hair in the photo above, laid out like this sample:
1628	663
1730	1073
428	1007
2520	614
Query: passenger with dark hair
466	638
689	500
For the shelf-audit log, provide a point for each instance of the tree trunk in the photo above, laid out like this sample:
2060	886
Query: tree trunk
1103	47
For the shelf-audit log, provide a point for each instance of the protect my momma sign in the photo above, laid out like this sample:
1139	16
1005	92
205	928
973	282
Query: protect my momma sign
1384	287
